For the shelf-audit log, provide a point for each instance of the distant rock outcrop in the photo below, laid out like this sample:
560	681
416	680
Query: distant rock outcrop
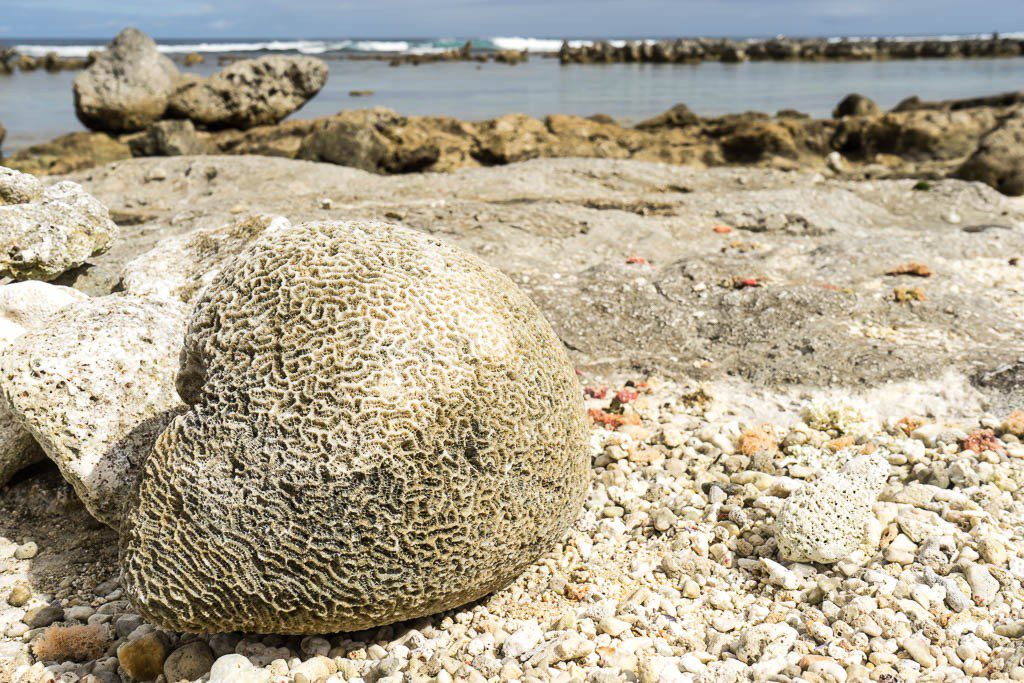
127	87
251	92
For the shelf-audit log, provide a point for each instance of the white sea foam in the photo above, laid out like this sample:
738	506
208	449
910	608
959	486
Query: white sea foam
315	47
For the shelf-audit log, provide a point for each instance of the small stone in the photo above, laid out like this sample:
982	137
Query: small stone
917	647
143	658
19	595
26	551
79	613
188	662
522	640
691	589
984	586
993	551
1012	630
126	623
317	669
901	551
45	615
236	669
613	627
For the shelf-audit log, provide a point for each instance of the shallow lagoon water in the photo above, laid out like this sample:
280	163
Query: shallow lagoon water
38	106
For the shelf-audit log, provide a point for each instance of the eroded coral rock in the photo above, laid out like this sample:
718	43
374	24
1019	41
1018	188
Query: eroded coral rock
179	267
381	427
95	386
824	520
46	232
127	87
251	92
24	306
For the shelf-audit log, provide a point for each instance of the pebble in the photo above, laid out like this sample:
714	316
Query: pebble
44	615
26	551
143	658
917	647
189	662
19	595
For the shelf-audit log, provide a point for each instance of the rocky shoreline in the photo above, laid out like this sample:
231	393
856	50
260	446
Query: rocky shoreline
741	334
692	50
975	139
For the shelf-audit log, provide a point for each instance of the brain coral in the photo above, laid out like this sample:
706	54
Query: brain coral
381	427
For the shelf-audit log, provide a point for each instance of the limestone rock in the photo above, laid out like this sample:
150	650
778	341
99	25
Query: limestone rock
55	230
127	87
381	427
824	520
855	104
251	92
170	138
999	159
69	153
94	386
18	188
24	306
179	267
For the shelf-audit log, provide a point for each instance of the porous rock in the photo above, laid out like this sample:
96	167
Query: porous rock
855	104
46	232
251	92
179	267
127	87
381	427
94	387
824	520
24	306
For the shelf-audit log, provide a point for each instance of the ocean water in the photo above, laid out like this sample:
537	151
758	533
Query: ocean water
38	106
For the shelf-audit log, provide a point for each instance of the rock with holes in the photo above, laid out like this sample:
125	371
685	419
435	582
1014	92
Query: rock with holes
251	92
45	232
381	427
179	267
25	306
127	87
824	520
94	386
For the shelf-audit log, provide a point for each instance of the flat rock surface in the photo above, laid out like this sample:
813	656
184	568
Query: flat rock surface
632	264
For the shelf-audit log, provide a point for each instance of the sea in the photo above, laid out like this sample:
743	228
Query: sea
37	106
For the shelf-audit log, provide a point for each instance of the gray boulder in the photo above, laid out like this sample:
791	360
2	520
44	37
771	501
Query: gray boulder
95	386
127	87
250	92
46	232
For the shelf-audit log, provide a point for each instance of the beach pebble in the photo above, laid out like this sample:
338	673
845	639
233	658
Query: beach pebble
26	551
143	658
189	662
235	668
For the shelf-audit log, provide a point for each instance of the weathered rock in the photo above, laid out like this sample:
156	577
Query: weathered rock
55	230
179	267
69	153
396	413
676	117
24	306
855	104
923	135
127	87
999	159
18	188
170	138
824	520
251	92
94	386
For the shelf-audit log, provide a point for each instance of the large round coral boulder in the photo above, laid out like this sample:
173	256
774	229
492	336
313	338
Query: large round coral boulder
381	427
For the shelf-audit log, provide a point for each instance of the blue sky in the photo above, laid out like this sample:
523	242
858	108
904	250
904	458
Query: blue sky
564	18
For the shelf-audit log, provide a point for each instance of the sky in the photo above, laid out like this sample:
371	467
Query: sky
481	18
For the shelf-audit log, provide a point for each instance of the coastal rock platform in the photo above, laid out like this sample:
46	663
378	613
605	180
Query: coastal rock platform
738	331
